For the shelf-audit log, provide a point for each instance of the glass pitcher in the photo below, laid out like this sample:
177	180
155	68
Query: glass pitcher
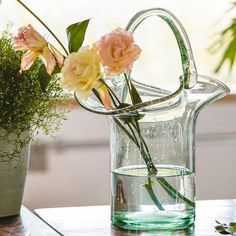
152	143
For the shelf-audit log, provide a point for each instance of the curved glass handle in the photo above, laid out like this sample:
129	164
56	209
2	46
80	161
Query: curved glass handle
188	64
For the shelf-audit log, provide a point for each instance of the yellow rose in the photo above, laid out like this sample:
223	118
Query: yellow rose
81	71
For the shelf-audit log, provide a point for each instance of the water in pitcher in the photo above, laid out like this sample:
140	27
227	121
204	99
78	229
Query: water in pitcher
146	202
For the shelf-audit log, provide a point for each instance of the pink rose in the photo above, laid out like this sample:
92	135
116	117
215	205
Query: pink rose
117	51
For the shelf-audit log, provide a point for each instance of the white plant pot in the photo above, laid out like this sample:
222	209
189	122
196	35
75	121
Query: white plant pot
13	173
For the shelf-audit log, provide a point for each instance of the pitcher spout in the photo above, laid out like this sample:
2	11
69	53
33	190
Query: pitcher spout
206	91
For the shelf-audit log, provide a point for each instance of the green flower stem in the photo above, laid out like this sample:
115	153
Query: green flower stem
147	161
147	158
137	143
149	189
49	30
134	139
145	154
166	186
173	192
113	100
111	92
129	88
97	95
126	131
150	165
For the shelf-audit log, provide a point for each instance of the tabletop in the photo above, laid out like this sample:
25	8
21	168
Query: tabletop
25	224
95	220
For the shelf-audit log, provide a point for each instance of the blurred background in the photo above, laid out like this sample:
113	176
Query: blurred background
73	168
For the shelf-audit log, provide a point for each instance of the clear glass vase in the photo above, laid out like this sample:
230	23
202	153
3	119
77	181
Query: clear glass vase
152	168
152	141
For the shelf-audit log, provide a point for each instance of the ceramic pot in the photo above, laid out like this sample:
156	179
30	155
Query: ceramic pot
14	159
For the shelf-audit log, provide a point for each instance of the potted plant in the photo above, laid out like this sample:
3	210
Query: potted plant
28	102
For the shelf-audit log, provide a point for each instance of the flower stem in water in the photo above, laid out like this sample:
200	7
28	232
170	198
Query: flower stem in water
173	192
151	193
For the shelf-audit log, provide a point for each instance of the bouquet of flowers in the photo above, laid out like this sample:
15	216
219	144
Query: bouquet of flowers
85	69
88	70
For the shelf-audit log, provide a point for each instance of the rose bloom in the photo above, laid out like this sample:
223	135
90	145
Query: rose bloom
81	70
117	51
29	40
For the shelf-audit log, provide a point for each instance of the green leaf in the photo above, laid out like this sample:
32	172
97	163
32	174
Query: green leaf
232	227
226	229
136	97
75	34
227	39
229	54
232	224
44	77
220	228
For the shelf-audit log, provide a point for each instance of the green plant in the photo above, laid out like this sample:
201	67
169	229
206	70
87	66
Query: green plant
226	39
25	103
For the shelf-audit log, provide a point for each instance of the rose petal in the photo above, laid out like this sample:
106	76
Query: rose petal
117	51
48	60
28	59
28	39
59	57
80	71
38	38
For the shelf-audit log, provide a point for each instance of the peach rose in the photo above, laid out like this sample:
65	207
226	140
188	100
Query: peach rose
81	70
29	40
117	51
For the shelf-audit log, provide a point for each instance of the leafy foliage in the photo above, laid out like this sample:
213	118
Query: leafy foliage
26	104
227	39
226	229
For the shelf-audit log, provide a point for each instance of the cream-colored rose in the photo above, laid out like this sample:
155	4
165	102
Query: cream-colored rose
80	71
